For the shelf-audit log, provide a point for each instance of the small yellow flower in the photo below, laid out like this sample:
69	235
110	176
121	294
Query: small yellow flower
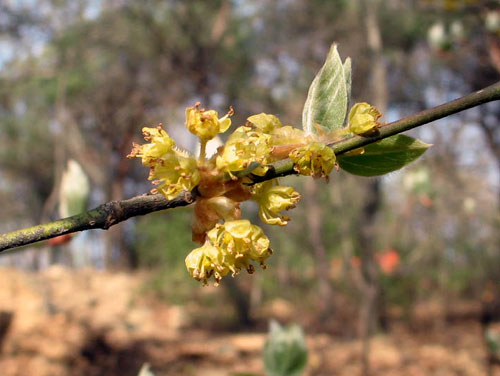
206	123
272	199
265	122
207	261
315	159
363	118
244	146
174	173
160	145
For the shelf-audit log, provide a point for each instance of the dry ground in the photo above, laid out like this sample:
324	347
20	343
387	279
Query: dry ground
62	322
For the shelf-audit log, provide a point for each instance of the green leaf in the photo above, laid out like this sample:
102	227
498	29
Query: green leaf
326	102
74	191
385	156
145	370
348	83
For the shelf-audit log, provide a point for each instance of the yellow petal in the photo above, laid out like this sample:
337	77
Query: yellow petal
265	122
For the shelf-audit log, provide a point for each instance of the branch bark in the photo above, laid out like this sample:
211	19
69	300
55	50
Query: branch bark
102	217
111	213
489	94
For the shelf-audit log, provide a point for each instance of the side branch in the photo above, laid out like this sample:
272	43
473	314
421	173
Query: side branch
111	213
103	217
489	94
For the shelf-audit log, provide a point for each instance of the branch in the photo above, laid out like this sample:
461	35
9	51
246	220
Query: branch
103	217
489	94
111	213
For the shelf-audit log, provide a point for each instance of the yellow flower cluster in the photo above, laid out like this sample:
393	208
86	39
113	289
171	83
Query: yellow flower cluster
229	242
229	248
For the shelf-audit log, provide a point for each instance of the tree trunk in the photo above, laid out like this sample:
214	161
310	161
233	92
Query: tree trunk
126	257
369	281
314	220
367	234
241	302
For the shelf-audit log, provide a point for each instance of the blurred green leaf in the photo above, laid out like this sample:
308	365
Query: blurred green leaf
492	341
145	370
285	352
384	156
74	191
326	102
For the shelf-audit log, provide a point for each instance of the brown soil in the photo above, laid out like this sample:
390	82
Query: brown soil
63	322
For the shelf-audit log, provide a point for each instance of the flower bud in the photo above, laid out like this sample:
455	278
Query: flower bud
363	118
206	123
209	211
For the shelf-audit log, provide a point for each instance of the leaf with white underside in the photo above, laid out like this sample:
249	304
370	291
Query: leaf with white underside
326	102
383	156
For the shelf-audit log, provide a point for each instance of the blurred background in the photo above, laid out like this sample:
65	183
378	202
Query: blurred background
396	276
